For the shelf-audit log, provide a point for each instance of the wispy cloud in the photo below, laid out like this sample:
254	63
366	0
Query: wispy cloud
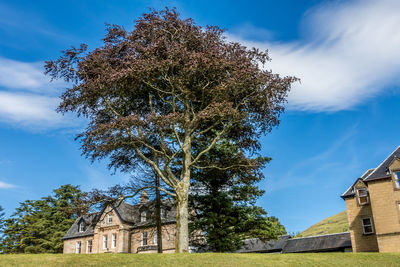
6	185
348	54
28	99
18	75
307	171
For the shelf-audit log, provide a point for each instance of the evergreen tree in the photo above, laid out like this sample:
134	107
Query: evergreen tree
224	200
37	226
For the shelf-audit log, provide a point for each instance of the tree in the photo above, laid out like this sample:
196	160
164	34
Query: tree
168	84
37	226
224	200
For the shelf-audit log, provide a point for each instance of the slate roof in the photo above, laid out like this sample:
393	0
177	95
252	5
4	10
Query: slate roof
287	244
379	172
322	243
256	245
128	213
90	219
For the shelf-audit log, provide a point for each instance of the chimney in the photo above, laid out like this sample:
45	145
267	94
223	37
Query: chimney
144	198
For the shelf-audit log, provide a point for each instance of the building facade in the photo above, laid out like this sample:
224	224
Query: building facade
373	208
123	228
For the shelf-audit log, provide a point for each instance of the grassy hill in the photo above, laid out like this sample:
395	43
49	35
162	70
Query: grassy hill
203	260
331	225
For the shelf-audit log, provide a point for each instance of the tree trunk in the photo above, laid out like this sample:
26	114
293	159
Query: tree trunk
158	214
182	221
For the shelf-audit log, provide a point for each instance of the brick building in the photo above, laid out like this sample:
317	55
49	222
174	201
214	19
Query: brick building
123	228
373	207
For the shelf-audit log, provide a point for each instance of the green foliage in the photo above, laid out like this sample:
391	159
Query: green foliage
224	199
335	224
37	226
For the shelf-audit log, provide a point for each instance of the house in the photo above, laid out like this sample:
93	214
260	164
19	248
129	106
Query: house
286	244
123	228
373	207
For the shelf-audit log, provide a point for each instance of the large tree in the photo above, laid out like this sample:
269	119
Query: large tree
153	92
225	200
37	226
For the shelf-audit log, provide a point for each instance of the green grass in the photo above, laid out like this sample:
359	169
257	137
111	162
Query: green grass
208	259
331	225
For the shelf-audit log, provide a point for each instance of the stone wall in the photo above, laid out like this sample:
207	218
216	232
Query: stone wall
168	239
355	212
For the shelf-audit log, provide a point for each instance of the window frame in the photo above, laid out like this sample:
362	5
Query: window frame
81	227
105	242
89	251
143	216
114	240
163	213
396	179
155	238
110	218
360	196
78	247
144	238
367	225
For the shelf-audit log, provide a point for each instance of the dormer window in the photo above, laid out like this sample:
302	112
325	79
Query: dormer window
143	216
163	213
362	195
397	179
82	227
110	218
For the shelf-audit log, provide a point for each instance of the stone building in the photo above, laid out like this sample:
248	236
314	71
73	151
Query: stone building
123	228
373	207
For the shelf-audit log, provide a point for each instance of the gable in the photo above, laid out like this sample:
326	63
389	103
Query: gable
382	170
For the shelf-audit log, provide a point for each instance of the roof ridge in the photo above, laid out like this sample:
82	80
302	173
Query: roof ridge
382	163
320	235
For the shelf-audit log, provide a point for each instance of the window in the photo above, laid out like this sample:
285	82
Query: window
163	213
362	196
144	239
82	227
110	216
397	179
143	216
105	242
155	238
114	241
78	247
367	226
89	246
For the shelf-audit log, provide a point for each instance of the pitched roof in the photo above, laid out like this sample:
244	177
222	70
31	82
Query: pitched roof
128	213
381	170
131	213
331	242
256	245
89	219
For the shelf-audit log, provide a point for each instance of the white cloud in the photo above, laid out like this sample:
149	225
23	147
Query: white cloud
6	186
350	53
26	76
28	109
28	99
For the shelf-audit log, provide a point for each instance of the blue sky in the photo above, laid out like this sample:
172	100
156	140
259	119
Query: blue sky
341	119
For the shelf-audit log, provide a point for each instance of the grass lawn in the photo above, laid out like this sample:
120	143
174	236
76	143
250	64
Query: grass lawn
207	259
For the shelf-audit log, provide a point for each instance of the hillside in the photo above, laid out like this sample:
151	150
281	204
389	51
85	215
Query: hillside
331	225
